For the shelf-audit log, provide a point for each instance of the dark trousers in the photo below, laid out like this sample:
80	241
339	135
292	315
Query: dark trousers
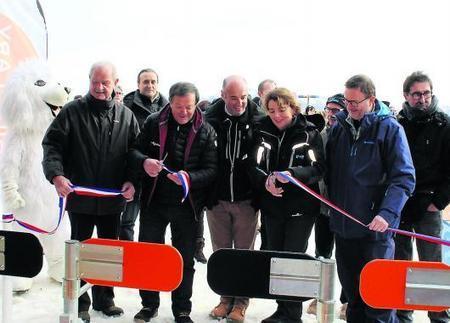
430	224
324	237
200	228
82	227
128	220
153	223
288	233
351	256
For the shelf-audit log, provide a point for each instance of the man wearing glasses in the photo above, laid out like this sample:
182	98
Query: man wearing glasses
428	131
370	175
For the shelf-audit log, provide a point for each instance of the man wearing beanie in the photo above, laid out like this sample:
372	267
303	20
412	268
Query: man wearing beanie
324	237
428	131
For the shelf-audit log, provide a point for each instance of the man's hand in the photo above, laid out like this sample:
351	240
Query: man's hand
280	178
378	224
174	177
128	191
62	185
152	167
432	208
270	186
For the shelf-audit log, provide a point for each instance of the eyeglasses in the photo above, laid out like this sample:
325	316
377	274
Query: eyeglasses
333	110
418	95
354	104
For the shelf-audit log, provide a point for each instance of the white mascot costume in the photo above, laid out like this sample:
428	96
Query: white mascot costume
29	103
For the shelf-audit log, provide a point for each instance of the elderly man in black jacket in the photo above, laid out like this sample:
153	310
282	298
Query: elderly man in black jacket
231	216
176	139
87	144
428	131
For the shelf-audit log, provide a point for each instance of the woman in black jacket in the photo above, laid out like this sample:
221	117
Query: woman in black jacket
286	142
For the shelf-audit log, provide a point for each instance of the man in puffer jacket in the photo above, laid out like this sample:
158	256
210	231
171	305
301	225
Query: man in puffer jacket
371	176
428	131
178	138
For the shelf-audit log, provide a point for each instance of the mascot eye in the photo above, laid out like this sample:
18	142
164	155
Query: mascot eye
40	83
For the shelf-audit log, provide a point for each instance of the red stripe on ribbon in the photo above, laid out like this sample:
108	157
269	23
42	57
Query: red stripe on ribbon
424	237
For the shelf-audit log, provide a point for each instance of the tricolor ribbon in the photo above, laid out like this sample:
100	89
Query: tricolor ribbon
79	190
424	237
184	179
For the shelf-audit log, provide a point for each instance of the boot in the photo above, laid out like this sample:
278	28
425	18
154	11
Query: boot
312	308
221	311
237	314
146	314
198	255
343	312
84	316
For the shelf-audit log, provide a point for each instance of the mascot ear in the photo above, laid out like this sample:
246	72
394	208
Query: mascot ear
55	94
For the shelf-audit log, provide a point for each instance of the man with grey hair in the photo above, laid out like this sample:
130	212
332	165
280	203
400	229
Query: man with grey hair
428	131
179	139
87	144
263	88
371	176
231	216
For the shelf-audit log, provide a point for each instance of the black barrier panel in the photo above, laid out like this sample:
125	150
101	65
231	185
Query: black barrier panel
233	272
22	255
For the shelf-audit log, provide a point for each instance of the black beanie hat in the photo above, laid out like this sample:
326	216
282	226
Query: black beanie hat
338	99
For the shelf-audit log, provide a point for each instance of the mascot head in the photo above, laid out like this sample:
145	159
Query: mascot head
31	99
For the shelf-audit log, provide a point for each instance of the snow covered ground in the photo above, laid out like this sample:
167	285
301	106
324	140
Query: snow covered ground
43	303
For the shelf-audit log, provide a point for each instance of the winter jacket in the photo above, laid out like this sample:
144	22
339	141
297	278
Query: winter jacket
370	175
297	149
142	106
429	141
198	155
88	143
234	140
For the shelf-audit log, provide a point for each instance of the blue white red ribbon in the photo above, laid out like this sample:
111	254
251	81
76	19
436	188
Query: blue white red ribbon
79	190
184	179
298	183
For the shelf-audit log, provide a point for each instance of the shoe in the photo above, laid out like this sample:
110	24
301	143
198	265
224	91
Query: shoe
312	308
199	255
237	314
84	316
343	312
183	318
221	311
276	317
146	314
112	311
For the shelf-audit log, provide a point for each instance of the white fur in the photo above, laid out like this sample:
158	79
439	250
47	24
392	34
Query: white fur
26	192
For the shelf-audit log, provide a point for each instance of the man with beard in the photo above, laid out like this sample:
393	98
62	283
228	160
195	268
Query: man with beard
428	131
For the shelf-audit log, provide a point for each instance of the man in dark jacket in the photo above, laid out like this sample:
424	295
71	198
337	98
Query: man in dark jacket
87	144
263	88
143	102
232	219
428	131
370	175
178	138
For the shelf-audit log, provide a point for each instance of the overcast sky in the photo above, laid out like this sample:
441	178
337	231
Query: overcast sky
311	47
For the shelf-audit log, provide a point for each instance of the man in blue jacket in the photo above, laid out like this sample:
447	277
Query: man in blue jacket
371	176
